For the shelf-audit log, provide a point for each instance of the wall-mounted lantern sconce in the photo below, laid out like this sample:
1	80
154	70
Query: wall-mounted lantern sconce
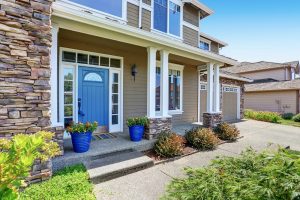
134	71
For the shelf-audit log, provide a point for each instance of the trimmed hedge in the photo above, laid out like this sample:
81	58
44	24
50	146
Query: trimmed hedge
263	116
287	116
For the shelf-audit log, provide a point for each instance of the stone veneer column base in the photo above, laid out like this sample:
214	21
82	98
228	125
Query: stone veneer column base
42	171
157	126
210	120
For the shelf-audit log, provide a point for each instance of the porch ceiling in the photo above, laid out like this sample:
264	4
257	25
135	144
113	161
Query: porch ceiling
130	35
66	37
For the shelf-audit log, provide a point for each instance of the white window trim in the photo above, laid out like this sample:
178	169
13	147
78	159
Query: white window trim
191	26
62	65
98	13
168	34
206	41
180	68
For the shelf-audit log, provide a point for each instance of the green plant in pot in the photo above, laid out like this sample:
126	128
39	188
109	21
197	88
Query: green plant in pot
137	127
81	135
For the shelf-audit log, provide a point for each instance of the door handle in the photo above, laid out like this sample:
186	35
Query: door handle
80	112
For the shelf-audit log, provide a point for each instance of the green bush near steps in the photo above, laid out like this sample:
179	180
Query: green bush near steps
263	116
69	183
270	175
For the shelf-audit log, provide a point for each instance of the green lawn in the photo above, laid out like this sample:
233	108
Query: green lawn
69	183
289	122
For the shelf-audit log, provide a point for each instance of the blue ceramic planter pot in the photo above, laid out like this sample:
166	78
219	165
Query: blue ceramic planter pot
81	141
136	133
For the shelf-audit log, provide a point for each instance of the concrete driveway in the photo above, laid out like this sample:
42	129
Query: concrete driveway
150	184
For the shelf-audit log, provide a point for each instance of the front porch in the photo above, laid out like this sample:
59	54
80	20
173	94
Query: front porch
106	147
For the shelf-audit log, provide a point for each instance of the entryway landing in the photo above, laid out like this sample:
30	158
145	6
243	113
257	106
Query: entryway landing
100	148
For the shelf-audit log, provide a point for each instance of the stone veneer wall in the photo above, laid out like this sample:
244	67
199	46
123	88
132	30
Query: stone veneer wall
157	126
25	42
210	120
226	81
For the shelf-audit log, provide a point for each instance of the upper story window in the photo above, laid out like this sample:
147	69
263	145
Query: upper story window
112	7
167	17
205	45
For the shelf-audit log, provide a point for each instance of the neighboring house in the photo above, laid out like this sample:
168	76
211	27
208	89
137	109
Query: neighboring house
275	87
106	61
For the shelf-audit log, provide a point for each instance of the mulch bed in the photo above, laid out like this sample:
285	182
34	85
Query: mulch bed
188	150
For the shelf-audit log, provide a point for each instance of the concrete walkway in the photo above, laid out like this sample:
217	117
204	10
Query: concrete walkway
150	184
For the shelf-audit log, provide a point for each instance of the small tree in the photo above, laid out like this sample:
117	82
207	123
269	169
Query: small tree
17	157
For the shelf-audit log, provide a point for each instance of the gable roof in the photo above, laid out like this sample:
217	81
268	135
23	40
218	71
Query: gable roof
245	67
273	86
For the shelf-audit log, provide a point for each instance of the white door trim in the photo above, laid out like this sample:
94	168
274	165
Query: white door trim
63	64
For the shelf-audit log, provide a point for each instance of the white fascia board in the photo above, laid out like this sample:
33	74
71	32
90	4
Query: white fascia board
61	9
203	35
199	5
235	78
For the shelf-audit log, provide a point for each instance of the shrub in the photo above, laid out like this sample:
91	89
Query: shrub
287	116
268	175
137	121
226	131
68	183
169	145
17	157
263	116
296	118
202	138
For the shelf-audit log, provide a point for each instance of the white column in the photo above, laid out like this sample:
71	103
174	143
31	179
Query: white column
53	77
164	83
151	80
216	106
210	83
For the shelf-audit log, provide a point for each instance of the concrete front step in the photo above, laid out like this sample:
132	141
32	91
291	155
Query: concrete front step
117	165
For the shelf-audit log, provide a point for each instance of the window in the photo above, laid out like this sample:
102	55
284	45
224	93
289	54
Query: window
175	89
112	7
94	77
84	58
68	95
167	17
204	45
115	98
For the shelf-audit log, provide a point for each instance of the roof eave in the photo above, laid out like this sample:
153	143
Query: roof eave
201	6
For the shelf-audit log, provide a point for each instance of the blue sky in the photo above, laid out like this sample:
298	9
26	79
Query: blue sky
256	30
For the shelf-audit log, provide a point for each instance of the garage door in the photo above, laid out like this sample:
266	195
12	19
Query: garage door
230	103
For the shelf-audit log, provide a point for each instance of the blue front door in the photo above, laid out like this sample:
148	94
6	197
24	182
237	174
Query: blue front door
93	95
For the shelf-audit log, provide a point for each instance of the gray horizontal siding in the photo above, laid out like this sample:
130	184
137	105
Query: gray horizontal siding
132	15
214	47
148	2
190	15
146	20
190	36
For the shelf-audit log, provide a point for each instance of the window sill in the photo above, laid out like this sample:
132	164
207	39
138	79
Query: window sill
175	112
168	35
